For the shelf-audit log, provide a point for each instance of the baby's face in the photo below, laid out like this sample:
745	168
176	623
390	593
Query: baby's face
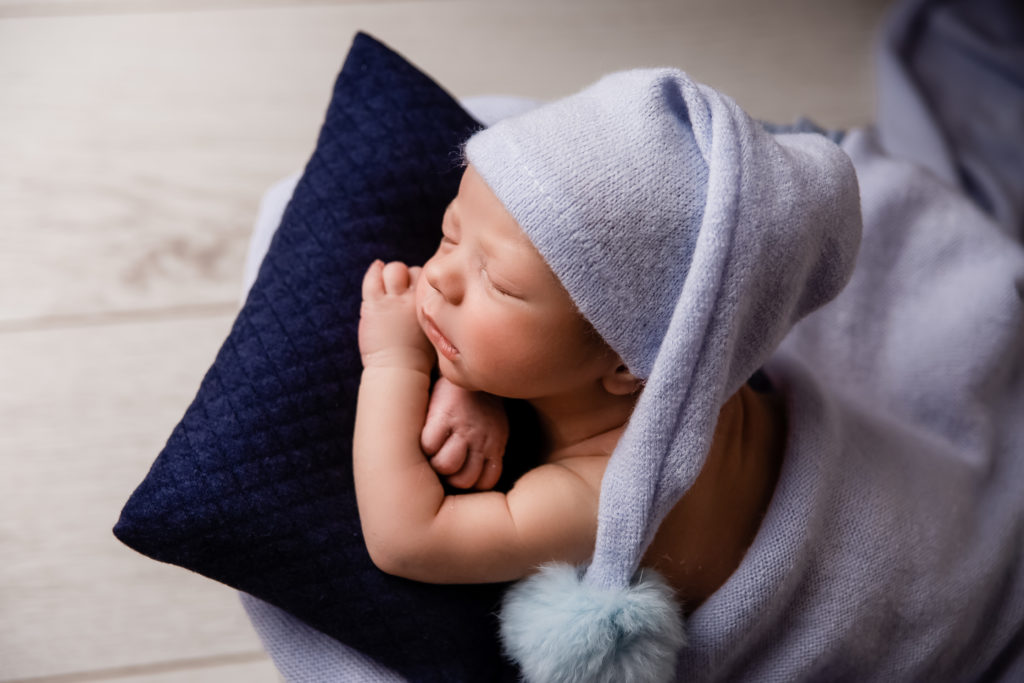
500	320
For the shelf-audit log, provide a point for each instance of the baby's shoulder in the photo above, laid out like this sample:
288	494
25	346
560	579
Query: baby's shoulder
589	468
566	489
573	473
583	463
579	473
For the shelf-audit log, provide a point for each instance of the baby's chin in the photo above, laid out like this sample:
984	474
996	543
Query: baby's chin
450	373
458	377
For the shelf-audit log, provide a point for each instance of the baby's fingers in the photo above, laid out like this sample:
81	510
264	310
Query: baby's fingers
373	283
396	277
435	430
490	475
451	457
469	474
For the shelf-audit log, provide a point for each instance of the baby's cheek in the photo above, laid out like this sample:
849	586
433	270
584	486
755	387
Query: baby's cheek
509	344
499	332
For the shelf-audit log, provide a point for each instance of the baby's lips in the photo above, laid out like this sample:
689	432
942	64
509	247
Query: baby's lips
437	338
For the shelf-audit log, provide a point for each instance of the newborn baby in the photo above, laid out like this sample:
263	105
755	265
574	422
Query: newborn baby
462	311
624	260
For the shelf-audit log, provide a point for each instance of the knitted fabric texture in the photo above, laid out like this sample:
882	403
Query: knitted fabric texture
692	240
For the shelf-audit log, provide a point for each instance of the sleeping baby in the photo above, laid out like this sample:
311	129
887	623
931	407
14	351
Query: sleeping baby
624	260
486	280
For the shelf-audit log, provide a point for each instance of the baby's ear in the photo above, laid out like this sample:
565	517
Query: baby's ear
621	382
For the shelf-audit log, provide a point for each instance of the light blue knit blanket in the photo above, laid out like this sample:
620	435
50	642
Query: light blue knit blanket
892	549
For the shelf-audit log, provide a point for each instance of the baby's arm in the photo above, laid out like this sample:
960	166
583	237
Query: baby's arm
465	435
410	526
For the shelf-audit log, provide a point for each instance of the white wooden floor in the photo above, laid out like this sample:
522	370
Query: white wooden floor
136	137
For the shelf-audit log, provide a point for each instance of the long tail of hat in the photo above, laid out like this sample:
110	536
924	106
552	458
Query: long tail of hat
778	238
779	235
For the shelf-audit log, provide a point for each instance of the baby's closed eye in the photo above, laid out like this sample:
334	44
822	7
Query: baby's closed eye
499	287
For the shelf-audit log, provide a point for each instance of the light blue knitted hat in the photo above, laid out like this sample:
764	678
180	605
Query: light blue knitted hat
692	240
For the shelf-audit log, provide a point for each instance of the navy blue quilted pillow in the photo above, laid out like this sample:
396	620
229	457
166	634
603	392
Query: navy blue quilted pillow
254	487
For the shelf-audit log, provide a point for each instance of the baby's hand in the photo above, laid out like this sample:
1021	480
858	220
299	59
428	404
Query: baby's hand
466	433
389	334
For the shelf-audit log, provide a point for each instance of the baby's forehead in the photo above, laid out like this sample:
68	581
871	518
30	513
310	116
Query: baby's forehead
476	209
482	211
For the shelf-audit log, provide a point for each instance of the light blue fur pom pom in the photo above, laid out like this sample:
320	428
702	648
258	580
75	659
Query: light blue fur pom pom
558	628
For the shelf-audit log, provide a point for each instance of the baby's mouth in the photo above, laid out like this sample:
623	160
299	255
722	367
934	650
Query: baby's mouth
437	338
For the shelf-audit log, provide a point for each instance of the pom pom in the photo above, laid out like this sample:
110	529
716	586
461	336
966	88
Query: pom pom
558	628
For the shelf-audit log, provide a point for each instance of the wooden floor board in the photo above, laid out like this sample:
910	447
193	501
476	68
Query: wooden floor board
253	667
77	8
91	408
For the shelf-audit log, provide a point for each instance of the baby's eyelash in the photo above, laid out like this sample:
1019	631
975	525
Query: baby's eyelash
493	285
500	290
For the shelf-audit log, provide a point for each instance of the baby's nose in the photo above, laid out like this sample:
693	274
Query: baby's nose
442	273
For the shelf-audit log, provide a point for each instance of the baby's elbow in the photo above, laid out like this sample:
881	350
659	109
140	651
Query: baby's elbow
382	561
383	554
405	560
